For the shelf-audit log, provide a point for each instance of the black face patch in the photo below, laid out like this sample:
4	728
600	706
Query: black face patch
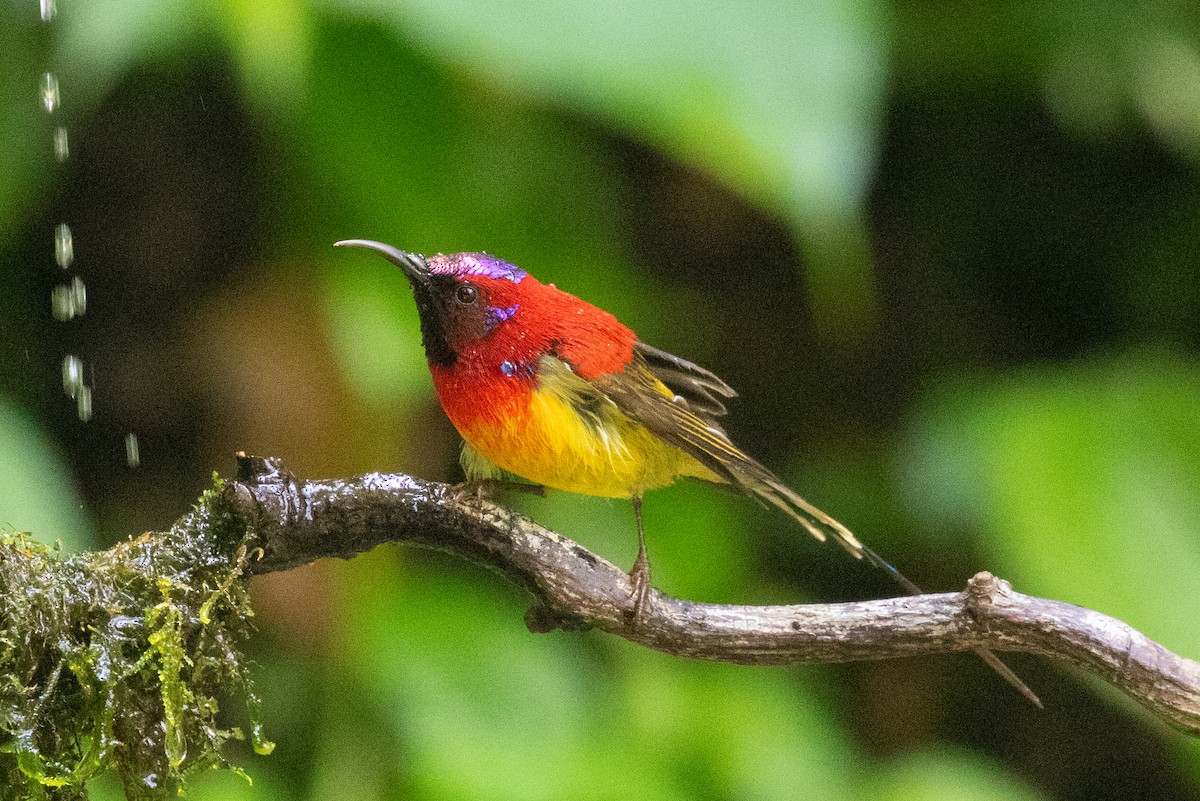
433	329
453	312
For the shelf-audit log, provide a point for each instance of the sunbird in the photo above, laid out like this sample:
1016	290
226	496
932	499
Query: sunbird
549	388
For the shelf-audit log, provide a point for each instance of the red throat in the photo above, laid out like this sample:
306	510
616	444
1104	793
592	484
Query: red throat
494	374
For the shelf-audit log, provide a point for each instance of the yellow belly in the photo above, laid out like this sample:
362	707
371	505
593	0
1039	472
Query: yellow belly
546	440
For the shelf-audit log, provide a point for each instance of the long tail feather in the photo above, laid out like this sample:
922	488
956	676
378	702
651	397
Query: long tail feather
819	524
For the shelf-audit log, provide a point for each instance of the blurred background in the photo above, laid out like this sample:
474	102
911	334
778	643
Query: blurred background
947	253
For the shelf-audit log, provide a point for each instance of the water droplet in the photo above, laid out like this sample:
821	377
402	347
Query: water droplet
50	92
61	148
78	295
72	375
85	403
62	305
259	740
64	246
175	743
132	457
68	301
49	10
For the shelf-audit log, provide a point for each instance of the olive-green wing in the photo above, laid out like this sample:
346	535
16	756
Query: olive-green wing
675	400
698	388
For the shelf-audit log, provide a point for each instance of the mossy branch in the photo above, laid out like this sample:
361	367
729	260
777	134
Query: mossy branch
117	659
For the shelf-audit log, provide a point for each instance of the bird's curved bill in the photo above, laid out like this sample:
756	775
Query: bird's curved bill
413	264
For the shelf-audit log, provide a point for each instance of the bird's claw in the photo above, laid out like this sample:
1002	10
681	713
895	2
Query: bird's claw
639	580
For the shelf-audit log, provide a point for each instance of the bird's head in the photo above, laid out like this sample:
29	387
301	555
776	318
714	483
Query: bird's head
462	298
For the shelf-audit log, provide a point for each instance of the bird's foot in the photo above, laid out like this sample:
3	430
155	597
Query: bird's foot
639	580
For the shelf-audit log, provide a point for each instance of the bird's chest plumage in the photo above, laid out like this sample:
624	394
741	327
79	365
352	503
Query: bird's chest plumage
548	425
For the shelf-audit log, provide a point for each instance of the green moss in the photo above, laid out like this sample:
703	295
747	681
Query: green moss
115	660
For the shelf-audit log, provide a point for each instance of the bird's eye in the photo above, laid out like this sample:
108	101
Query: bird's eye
466	294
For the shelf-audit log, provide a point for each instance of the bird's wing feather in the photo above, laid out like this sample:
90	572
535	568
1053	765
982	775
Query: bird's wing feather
699	388
642	396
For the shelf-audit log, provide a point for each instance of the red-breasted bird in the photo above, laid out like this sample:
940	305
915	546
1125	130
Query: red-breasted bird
547	387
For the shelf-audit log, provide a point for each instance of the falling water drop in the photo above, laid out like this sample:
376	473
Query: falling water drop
84	401
62	305
259	741
61	148
78	295
68	301
132	457
50	92
72	375
64	246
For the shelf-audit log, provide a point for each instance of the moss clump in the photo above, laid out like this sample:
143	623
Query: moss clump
116	659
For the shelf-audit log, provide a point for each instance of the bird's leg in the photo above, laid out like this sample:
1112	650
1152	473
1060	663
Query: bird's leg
639	575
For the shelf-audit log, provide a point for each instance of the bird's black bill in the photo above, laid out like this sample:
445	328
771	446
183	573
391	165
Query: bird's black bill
413	264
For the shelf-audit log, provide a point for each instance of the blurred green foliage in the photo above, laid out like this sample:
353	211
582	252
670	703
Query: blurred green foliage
35	490
1099	476
948	255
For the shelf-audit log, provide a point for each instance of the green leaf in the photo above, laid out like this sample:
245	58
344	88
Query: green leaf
778	98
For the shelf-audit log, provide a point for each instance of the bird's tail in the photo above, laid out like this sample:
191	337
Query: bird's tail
822	526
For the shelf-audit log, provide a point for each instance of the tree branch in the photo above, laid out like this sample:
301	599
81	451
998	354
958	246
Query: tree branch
297	522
